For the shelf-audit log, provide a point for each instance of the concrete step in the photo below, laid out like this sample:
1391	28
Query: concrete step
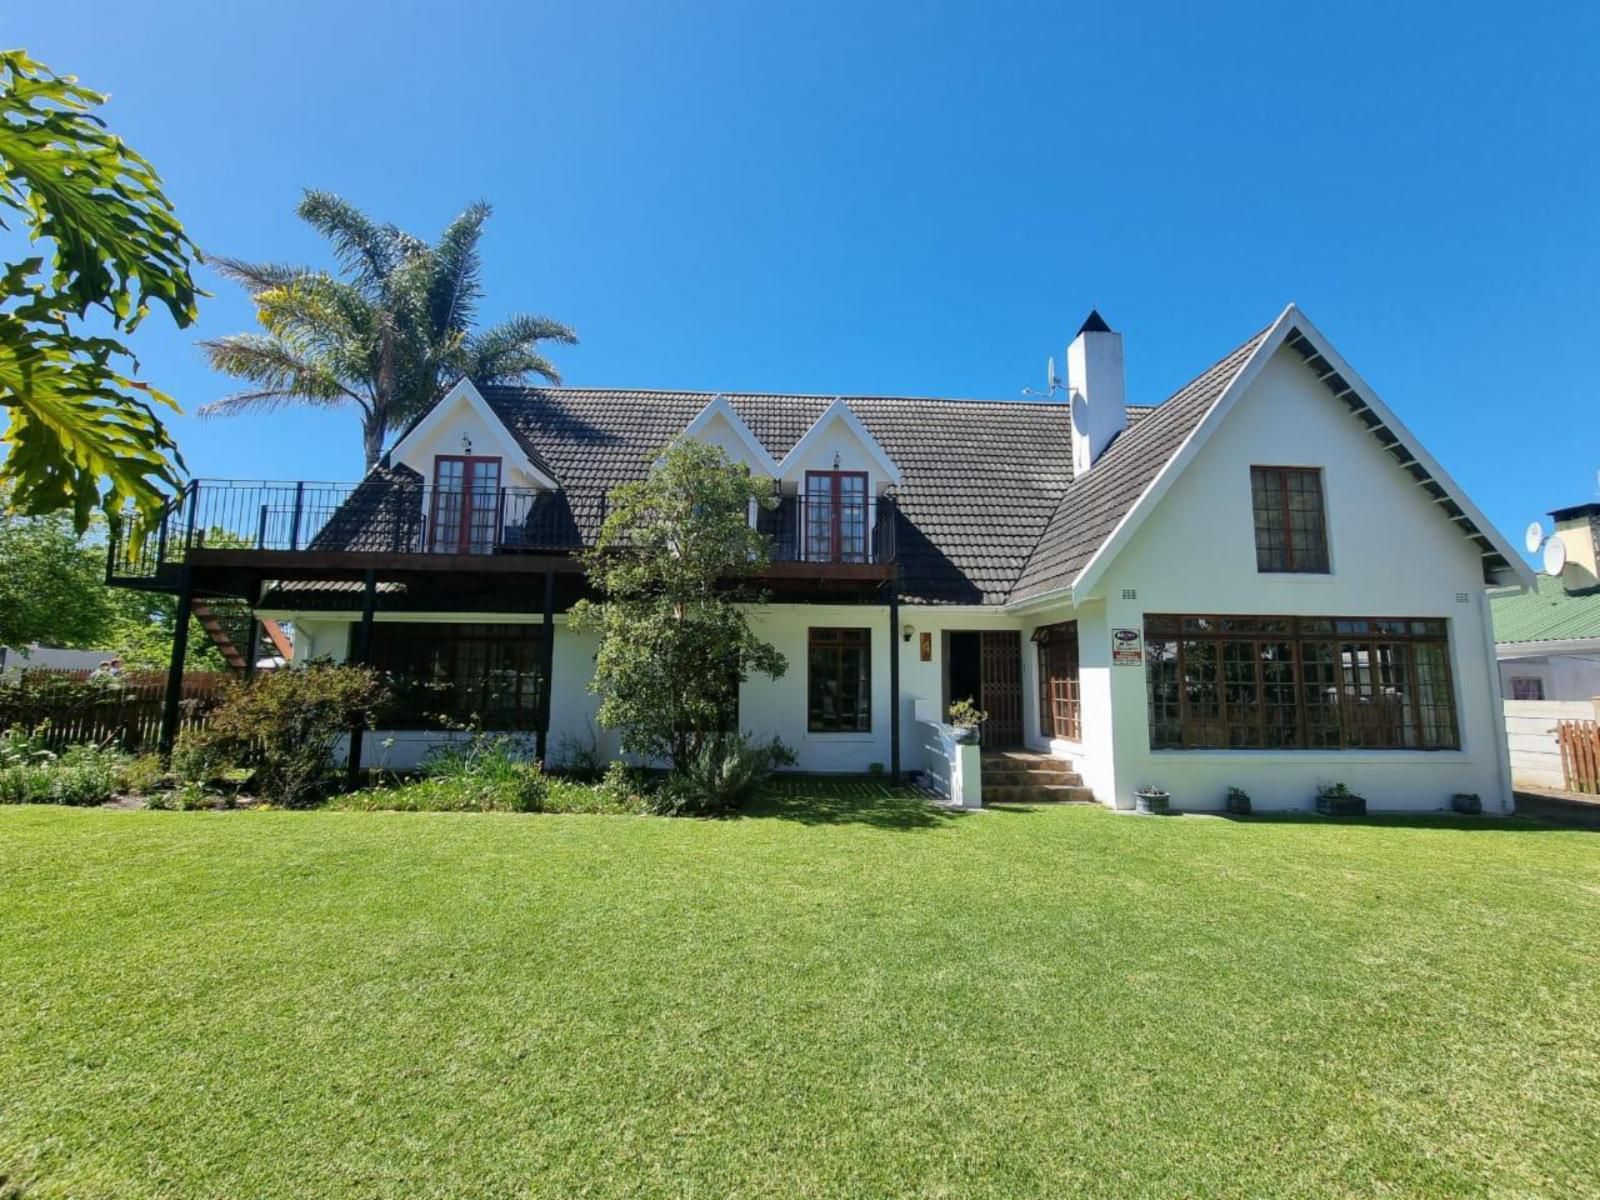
1048	793
1012	778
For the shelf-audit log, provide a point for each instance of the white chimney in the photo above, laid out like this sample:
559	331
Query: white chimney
1094	381
1579	528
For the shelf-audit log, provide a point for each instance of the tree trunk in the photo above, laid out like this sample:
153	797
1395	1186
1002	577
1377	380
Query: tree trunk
372	432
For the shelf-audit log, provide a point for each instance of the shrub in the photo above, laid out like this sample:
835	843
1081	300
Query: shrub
144	775
199	756
285	725
625	788
86	774
717	779
1337	800
580	758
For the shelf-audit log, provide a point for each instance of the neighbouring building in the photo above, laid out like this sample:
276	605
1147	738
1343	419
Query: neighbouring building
1264	581
1548	638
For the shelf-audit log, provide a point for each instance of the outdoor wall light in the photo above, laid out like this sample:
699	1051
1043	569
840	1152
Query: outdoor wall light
466	444
907	630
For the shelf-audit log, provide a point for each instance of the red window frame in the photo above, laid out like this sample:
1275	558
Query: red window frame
463	538
835	499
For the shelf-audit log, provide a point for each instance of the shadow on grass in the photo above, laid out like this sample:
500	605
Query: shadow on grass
815	800
1521	822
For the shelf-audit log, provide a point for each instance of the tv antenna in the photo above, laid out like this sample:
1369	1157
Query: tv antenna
1053	383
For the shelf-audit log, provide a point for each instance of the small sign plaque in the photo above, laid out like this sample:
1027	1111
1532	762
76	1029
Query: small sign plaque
1127	648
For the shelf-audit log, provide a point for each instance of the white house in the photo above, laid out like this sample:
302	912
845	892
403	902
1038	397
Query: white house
1264	581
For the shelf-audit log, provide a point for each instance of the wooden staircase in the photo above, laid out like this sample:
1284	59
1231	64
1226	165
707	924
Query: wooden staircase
227	629
1023	777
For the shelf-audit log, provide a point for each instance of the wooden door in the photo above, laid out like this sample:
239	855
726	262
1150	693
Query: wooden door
1000	661
466	502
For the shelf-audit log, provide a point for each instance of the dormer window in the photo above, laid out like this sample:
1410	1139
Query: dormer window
1291	525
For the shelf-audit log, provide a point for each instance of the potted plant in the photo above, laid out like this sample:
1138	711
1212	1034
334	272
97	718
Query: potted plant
1238	802
1336	800
966	717
1152	800
1467	804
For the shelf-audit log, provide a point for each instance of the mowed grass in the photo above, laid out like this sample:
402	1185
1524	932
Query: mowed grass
848	994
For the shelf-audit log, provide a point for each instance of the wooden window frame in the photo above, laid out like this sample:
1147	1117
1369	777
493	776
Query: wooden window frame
463	539
1340	683
1060	692
393	650
828	638
835	500
1520	682
1275	484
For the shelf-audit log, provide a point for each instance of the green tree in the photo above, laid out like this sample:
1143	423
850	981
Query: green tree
52	585
674	560
386	336
76	416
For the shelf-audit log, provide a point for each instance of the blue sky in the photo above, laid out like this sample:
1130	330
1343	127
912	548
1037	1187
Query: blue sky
919	198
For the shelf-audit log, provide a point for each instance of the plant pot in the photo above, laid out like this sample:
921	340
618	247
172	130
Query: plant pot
1467	804
1342	806
1239	806
1152	801
965	735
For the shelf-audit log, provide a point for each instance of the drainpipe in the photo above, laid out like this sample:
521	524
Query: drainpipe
361	652
894	680
546	663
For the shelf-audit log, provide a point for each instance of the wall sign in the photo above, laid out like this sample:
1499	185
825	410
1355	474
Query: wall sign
1127	648
927	647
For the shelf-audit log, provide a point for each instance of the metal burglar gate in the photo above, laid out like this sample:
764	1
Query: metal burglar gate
1580	755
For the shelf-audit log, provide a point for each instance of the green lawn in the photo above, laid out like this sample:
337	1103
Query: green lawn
848	994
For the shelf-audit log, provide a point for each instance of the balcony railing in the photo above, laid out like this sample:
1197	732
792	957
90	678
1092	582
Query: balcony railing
388	516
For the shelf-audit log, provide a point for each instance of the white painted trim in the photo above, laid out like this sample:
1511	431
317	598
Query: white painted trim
840	411
510	449
1511	651
719	404
1290	320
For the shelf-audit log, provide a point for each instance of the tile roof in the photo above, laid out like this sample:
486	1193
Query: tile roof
1549	614
1091	507
979	479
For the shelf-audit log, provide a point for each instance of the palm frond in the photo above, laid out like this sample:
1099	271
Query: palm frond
363	247
508	352
257	277
456	286
284	374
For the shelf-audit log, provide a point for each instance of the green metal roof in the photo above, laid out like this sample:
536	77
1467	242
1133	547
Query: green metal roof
1550	614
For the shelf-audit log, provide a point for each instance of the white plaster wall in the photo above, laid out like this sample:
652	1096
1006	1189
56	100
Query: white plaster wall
1393	553
838	438
1531	735
719	431
1565	676
487	439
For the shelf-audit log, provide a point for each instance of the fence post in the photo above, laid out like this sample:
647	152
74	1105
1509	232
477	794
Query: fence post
261	529
194	512
299	507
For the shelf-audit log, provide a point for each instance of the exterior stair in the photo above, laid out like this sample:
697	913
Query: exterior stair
1022	777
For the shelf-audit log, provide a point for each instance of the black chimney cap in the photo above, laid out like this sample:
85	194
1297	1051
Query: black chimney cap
1094	323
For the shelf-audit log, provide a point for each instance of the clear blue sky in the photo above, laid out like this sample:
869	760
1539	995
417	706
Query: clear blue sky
918	198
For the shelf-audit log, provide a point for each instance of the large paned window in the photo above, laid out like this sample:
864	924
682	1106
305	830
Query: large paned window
448	675
1059	709
1299	683
1291	529
839	681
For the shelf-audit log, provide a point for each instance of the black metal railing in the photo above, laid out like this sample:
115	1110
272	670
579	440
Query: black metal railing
809	529
396	516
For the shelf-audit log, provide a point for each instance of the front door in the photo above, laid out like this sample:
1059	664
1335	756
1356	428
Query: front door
1000	666
466	504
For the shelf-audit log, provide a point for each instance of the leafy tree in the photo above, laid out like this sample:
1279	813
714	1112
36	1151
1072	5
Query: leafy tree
673	560
386	336
76	416
52	586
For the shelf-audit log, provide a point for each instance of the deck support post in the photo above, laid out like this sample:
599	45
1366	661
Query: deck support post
546	661
360	653
252	646
894	681
180	650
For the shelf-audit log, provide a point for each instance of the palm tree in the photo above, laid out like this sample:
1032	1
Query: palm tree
386	335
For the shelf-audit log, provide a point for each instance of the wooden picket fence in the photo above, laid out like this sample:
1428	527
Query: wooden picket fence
66	707
1580	755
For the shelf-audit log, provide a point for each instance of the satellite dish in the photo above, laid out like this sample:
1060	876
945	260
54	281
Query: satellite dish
1533	538
1555	556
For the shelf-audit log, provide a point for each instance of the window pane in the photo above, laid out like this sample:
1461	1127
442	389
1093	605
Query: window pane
839	680
1290	526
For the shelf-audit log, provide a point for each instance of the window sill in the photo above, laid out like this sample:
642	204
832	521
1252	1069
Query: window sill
820	735
1298	576
1322	756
